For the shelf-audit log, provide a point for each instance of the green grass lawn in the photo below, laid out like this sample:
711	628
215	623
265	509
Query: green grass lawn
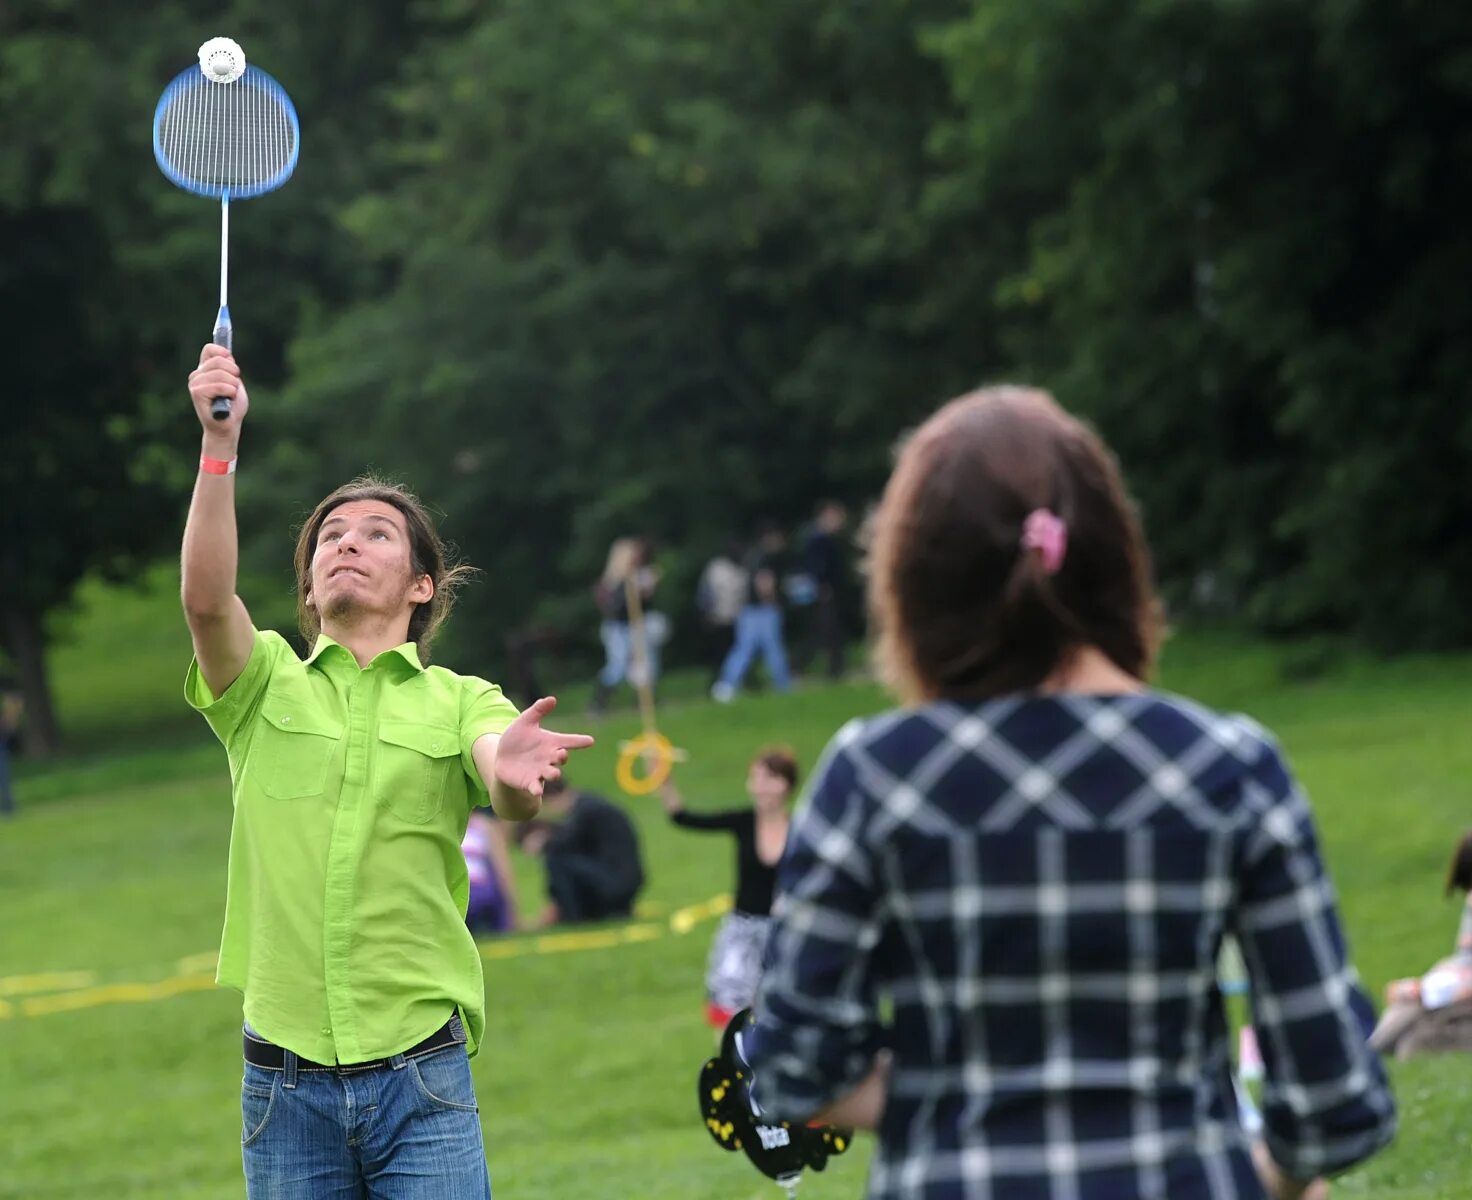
115	1082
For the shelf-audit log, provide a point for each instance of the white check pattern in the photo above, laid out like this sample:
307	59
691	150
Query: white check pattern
1035	890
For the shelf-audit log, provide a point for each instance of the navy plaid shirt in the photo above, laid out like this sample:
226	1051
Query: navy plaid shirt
1025	900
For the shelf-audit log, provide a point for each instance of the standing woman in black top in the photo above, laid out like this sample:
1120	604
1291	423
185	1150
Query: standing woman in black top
761	834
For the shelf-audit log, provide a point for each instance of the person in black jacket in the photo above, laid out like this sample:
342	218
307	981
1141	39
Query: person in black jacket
761	833
591	855
824	577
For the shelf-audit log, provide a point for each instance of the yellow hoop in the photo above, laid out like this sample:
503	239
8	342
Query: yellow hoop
648	742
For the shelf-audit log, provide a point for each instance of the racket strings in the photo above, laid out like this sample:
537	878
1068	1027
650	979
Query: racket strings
232	138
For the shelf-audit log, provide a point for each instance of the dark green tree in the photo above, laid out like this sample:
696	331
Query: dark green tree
1244	252
107	276
655	268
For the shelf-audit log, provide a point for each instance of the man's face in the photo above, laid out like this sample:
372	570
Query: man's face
362	564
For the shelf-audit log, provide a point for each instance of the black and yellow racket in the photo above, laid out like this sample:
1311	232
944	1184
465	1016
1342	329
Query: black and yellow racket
778	1149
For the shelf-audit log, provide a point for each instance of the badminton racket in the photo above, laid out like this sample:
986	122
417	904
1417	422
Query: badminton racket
226	130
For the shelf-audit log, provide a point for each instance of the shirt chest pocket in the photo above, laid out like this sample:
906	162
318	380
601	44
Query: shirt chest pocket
416	763
292	752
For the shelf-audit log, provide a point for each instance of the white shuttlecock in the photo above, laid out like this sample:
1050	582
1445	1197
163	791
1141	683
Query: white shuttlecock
222	60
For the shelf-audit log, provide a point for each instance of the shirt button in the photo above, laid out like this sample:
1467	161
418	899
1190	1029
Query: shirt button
434	745
286	720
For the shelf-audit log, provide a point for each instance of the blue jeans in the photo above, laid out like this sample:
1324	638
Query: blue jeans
758	628
618	650
406	1131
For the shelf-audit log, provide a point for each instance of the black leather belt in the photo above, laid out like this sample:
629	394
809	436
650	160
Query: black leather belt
273	1058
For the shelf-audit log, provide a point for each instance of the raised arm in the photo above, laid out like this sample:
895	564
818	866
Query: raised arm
218	621
669	796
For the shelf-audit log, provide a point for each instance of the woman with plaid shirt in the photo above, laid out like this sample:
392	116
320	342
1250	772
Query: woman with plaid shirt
1032	865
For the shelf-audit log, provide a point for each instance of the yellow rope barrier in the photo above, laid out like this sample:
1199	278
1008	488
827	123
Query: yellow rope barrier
75	990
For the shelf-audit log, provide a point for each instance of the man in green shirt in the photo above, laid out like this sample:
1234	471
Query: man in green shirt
353	775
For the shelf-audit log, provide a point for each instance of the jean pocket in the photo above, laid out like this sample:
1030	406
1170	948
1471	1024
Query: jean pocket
414	767
257	1100
444	1079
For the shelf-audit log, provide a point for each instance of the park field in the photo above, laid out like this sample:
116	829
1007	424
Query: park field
119	1060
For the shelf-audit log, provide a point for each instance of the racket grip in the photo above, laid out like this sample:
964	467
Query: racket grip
224	335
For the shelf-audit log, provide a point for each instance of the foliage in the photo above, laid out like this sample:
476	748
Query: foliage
1244	255
582	270
651	273
673	267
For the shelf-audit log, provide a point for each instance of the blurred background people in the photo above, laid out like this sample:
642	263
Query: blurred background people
759	623
1433	1012
824	575
492	905
628	657
719	597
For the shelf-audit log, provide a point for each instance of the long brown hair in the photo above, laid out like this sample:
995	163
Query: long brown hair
428	555
962	610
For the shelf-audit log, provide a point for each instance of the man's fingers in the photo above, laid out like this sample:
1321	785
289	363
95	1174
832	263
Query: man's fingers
212	385
223	361
560	757
210	350
572	741
548	776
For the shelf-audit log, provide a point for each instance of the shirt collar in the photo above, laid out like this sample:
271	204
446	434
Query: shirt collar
408	652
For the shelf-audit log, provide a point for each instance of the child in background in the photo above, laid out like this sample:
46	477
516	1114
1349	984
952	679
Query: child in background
492	907
761	834
1449	982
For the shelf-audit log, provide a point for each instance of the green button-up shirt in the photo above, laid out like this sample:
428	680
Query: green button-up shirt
345	906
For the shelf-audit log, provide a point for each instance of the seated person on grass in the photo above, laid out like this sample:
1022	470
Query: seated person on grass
1443	994
591	853
492	906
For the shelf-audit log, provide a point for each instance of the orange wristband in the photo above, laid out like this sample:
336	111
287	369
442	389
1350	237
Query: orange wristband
217	466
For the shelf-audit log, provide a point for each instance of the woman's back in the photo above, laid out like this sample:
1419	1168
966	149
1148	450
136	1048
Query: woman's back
1045	882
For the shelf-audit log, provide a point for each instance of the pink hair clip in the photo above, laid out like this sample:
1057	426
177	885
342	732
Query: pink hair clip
1045	532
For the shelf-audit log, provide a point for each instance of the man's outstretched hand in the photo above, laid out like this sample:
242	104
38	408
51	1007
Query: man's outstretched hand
528	756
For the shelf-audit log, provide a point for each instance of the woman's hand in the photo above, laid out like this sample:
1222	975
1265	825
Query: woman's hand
1280	1186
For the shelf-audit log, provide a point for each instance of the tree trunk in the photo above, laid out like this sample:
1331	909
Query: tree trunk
26	644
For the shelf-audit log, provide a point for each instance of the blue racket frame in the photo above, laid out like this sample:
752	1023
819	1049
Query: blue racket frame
254	79
257	80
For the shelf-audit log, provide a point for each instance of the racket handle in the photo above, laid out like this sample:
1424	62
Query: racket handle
224	335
